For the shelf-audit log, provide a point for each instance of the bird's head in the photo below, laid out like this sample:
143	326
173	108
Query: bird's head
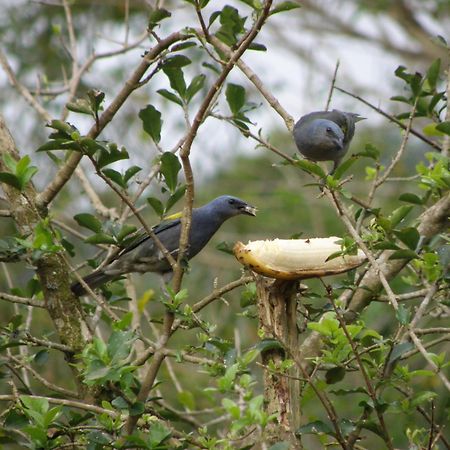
326	135
228	206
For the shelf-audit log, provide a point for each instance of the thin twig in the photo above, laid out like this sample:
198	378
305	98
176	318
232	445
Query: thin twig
42	380
392	119
21	300
71	403
48	344
257	82
402	148
333	82
65	172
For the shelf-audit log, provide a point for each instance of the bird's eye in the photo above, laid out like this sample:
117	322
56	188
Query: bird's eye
329	130
231	201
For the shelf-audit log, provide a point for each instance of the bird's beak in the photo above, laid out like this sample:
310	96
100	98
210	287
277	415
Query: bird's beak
359	118
340	143
248	209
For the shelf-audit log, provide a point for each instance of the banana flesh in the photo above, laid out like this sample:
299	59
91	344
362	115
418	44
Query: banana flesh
290	259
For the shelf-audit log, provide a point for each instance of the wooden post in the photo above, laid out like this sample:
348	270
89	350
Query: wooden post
277	311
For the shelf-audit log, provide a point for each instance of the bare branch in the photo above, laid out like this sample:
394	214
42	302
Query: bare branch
65	172
71	403
21	300
416	133
257	82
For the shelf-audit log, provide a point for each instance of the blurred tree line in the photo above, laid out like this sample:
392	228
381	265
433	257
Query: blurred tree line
74	370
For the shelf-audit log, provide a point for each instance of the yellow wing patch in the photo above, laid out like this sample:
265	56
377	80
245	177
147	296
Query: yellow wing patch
174	216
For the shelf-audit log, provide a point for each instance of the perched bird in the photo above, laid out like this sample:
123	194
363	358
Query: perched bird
143	255
325	135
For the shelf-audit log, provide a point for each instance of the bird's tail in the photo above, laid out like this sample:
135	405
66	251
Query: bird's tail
93	280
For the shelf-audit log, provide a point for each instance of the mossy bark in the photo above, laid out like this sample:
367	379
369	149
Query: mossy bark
277	311
54	274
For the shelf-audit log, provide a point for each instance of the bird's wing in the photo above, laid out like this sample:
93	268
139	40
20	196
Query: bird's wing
345	121
143	236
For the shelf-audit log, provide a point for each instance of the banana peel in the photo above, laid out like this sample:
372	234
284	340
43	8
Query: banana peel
293	259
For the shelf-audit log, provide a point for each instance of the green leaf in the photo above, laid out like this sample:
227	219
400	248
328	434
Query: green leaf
26	177
231	25
170	96
137	409
125	231
232	408
344	167
423	397
257	47
431	130
174	198
88	221
157	205
108	154
68	246
334	375
152	122
248	296
182	46
96	99
120	403
130	172
433	73
400	349
56	144
195	85
399	214
403	314
65	128
444	127
10	162
39	405
11	180
176	78
100	238
156	16
41	357
80	105
175	61
21	165
284	6
170	166
310	167
316	427
157	434
235	95
115	176
213	17
411	198
409	236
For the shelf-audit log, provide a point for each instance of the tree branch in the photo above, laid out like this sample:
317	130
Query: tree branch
65	172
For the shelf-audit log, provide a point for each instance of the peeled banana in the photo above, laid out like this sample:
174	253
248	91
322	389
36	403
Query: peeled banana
290	259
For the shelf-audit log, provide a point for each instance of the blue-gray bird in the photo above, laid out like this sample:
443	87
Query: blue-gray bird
325	135
143	255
